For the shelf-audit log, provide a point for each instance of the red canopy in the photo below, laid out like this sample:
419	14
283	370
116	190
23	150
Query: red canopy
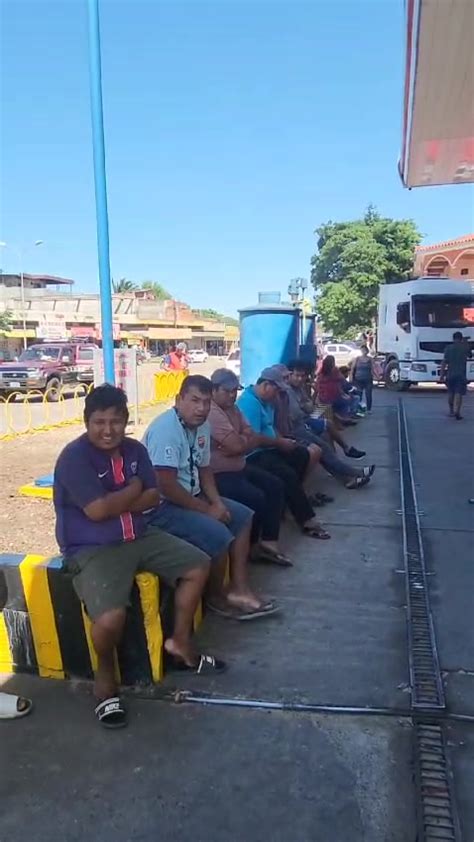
438	114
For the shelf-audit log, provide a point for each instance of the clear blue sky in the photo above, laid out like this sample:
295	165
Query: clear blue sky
233	129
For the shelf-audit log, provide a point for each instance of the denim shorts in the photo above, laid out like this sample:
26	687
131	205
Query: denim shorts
457	385
205	532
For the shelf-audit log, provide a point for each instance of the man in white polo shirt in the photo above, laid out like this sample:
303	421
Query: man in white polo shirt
178	443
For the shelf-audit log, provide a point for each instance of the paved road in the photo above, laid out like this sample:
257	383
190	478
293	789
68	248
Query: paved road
222	774
21	415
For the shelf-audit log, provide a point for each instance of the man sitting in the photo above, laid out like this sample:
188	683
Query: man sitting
103	482
231	440
312	430
280	456
178	443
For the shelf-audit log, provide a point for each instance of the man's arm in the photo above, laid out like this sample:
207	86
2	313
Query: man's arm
148	499
444	365
114	503
217	508
175	493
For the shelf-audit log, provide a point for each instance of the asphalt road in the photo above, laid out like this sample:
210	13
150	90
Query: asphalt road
22	415
231	774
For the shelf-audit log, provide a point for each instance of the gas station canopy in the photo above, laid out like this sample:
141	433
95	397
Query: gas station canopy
438	114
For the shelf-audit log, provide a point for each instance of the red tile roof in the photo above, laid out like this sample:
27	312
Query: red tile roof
458	241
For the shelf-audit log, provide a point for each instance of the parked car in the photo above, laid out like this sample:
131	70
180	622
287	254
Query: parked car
197	355
47	367
233	361
343	352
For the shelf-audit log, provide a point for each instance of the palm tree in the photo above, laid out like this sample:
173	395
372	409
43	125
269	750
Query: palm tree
123	285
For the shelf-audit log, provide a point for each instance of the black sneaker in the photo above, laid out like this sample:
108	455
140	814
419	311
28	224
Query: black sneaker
353	453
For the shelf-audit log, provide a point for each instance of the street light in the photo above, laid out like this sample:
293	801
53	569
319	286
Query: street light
19	252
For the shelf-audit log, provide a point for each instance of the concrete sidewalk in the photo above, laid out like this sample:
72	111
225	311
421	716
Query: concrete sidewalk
225	774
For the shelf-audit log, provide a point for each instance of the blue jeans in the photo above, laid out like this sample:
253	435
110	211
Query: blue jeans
365	386
202	531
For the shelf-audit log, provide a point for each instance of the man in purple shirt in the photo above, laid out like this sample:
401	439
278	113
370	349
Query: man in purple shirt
103	483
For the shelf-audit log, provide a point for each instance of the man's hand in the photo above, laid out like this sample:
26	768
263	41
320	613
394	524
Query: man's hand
137	485
218	511
286	445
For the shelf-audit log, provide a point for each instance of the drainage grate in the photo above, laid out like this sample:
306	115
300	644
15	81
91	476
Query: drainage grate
425	675
437	821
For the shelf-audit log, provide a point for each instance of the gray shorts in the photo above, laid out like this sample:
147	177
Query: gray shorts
103	576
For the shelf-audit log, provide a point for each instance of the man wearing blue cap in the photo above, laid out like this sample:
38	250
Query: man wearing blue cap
280	456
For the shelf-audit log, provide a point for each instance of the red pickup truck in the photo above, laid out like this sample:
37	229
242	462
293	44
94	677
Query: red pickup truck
48	367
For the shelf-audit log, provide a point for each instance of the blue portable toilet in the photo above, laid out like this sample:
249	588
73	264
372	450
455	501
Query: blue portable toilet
269	334
307	348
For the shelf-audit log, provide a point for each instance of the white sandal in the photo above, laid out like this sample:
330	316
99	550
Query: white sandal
9	706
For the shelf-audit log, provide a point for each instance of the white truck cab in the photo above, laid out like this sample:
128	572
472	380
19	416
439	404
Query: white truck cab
416	323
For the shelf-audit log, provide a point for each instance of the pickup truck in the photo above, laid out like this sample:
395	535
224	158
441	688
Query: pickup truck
47	368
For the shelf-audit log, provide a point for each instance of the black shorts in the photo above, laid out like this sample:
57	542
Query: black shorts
457	385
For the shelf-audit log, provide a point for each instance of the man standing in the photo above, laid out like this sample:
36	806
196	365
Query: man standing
177	360
455	360
103	483
275	454
178	443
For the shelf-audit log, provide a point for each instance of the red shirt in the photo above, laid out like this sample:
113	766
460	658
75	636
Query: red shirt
329	387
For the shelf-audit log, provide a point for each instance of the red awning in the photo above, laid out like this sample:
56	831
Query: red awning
438	114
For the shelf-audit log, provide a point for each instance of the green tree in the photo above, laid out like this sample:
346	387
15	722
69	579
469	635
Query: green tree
5	321
352	260
158	290
123	285
209	313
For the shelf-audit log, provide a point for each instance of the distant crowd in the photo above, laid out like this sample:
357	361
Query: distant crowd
200	499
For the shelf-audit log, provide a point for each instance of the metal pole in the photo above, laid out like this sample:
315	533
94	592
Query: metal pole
100	190
22	293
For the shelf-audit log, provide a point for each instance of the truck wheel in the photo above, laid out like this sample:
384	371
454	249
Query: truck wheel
53	389
392	377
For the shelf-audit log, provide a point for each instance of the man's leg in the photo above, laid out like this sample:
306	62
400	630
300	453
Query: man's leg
106	633
273	492
368	395
217	540
103	579
458	398
278	464
236	486
451	396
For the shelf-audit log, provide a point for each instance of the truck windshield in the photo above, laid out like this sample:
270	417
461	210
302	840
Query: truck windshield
40	353
443	310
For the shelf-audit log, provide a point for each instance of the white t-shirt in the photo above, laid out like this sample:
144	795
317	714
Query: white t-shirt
171	444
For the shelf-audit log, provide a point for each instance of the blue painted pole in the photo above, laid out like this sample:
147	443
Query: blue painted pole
102	218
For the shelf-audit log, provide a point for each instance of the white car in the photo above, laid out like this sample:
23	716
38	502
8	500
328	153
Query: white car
197	355
233	362
343	352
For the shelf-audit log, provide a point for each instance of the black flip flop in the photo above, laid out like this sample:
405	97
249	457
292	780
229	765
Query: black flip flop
206	664
111	713
265	556
316	532
234	612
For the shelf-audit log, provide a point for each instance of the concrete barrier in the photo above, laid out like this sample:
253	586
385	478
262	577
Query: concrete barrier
45	631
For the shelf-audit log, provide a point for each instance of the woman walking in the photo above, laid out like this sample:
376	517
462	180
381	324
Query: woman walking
363	375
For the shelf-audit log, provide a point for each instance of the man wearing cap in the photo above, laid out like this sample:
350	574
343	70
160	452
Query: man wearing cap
231	440
178	443
280	456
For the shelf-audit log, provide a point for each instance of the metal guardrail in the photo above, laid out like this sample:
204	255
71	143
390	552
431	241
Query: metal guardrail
33	412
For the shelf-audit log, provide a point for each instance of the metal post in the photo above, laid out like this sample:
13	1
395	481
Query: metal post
100	190
23	305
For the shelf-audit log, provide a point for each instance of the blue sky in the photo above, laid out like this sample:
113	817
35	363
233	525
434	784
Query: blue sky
232	128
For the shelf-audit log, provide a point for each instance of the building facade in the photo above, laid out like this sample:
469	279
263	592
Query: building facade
39	312
449	259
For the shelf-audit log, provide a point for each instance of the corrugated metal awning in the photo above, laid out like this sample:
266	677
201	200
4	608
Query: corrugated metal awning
438	118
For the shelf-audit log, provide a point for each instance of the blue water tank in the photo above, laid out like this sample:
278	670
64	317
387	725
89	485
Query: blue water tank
269	334
307	348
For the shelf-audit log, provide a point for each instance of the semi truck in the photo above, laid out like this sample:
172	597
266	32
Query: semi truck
416	322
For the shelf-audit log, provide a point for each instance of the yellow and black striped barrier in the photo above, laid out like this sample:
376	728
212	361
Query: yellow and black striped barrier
45	631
